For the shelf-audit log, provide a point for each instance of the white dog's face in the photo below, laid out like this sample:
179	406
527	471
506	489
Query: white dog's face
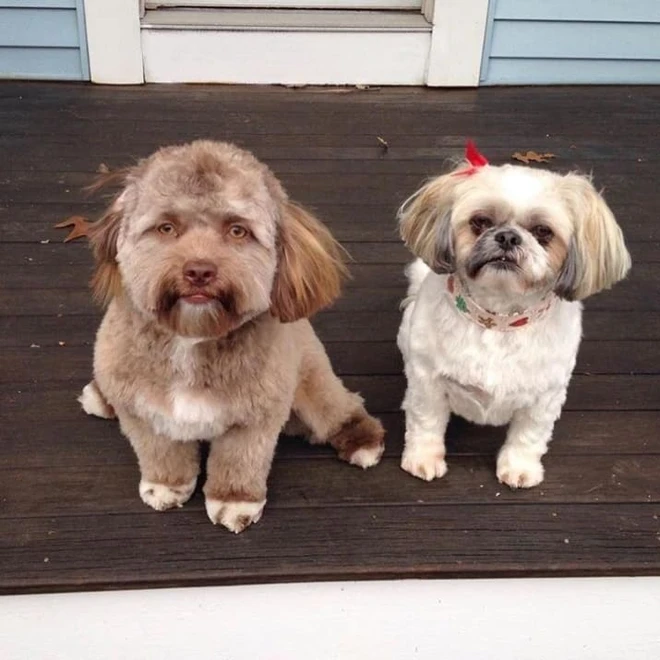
515	230
203	238
511	230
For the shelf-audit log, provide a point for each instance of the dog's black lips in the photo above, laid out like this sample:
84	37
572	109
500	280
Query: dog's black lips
501	262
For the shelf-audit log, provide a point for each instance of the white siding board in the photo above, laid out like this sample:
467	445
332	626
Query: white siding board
325	58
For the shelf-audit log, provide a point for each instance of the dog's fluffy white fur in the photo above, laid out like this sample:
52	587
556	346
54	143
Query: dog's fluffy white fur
512	238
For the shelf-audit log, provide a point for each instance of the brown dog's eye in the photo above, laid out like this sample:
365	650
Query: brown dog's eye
238	231
167	229
542	233
480	223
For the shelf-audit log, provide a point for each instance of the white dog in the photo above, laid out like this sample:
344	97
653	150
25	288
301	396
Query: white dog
492	320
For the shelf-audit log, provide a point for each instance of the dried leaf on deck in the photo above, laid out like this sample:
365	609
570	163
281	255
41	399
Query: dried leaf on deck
383	143
80	226
531	156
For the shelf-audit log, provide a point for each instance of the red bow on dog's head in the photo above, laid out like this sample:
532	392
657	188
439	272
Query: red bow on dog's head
473	157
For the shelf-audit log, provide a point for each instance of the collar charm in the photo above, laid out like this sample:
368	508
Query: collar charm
491	321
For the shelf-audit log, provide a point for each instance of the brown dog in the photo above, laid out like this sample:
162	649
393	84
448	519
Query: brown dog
210	272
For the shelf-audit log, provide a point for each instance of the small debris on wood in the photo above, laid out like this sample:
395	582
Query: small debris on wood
531	156
103	169
61	343
35	346
80	226
45	242
383	143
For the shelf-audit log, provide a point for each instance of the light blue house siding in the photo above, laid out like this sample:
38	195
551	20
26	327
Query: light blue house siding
43	39
572	42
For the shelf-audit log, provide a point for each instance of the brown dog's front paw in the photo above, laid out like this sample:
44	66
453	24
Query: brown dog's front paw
360	441
162	497
235	516
94	403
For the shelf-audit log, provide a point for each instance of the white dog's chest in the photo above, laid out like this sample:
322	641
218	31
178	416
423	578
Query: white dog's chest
486	376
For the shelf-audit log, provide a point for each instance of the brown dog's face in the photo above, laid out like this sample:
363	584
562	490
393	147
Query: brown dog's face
199	238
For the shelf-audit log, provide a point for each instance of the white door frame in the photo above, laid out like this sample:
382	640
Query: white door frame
115	47
113	41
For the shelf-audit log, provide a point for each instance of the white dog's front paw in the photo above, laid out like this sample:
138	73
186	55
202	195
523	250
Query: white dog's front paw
235	516
426	464
162	497
518	468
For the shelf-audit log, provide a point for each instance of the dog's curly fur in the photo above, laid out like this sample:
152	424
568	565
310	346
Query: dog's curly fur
209	273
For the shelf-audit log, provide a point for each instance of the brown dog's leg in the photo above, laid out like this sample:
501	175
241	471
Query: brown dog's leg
237	470
168	469
335	415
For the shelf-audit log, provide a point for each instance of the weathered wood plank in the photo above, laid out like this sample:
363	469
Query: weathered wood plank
382	393
348	358
73	438
177	548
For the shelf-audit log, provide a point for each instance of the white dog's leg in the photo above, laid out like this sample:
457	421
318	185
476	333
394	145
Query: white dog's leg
519	461
427	415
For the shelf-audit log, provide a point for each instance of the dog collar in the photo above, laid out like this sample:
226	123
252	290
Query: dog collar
491	321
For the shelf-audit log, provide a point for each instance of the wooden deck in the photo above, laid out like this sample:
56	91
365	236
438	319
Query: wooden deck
70	515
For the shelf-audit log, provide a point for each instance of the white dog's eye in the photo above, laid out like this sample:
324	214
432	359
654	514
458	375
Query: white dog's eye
542	233
480	223
167	228
238	231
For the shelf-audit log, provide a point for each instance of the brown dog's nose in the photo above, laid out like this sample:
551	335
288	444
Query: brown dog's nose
199	273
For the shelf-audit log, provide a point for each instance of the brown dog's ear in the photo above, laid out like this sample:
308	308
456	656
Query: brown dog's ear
310	269
103	235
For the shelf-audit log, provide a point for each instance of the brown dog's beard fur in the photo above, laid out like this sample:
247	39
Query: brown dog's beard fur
216	318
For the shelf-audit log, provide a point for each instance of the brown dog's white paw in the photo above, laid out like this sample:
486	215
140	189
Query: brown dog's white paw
367	457
518	468
94	403
235	516
162	497
359	441
426	464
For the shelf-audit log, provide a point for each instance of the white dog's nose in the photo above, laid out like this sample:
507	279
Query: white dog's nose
508	239
199	273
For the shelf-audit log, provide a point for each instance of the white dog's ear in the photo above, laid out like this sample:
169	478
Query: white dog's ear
310	268
601	257
425	223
